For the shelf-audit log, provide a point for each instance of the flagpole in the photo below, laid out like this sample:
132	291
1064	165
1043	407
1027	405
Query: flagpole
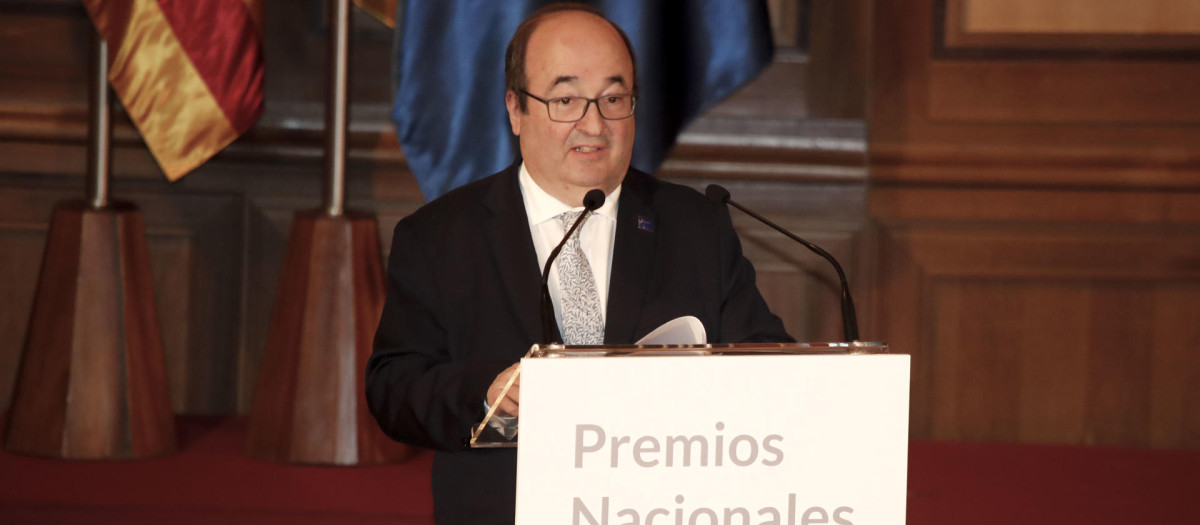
336	108
99	158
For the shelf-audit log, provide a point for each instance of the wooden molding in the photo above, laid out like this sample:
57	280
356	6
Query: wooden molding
953	39
959	162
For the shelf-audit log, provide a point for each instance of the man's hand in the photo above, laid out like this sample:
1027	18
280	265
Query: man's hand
508	404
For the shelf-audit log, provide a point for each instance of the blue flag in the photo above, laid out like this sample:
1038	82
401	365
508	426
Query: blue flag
449	112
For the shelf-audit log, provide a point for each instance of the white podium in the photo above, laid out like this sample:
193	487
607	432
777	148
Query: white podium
713	434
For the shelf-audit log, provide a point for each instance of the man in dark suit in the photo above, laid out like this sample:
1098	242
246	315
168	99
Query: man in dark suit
463	303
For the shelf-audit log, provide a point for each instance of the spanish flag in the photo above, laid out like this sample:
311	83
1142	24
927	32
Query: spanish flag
189	72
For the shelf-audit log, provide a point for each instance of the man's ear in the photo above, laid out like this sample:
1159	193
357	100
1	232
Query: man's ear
514	111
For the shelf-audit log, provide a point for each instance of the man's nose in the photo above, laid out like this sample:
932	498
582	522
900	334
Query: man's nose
591	123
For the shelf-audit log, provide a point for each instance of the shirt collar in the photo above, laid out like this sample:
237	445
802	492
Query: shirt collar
541	206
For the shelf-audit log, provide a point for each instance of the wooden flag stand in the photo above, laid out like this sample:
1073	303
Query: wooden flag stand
309	403
92	384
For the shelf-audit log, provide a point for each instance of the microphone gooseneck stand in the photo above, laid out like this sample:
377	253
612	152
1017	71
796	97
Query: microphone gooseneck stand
720	196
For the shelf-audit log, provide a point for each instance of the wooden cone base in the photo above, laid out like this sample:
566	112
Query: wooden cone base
309	404
92	384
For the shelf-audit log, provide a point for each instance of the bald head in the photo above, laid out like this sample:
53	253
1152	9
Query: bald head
515	58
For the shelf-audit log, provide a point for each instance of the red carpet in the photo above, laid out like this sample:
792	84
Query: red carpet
1007	484
211	481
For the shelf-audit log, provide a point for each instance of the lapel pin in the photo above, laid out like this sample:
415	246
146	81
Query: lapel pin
645	223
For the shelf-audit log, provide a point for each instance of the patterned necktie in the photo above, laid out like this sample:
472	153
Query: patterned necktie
582	321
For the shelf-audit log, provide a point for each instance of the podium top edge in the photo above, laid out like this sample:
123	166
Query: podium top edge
827	348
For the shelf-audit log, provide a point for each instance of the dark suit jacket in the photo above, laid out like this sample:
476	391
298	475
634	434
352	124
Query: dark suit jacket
463	303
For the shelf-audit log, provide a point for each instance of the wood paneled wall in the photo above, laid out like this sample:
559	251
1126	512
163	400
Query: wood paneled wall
1037	207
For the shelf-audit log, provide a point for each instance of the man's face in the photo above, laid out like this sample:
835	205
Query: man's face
574	54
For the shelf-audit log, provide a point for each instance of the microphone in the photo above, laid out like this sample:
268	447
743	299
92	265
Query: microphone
720	196
592	201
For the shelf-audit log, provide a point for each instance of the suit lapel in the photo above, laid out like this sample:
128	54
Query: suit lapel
633	260
507	231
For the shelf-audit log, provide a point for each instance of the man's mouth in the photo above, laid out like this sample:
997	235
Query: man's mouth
586	149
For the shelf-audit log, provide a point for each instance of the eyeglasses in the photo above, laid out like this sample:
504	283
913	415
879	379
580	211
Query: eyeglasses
573	109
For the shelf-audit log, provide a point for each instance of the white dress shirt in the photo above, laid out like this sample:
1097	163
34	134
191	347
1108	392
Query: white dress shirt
596	237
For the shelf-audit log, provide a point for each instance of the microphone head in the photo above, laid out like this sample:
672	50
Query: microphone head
593	200
717	194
